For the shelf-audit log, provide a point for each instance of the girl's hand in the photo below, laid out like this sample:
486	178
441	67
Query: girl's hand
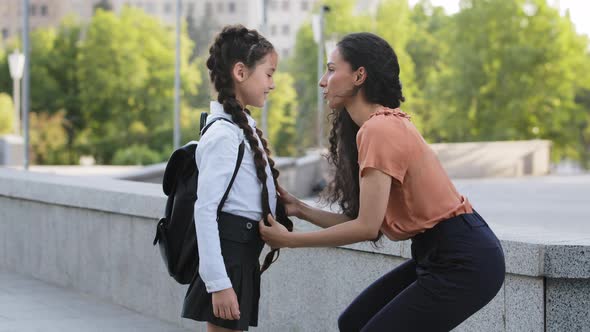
275	235
225	304
292	204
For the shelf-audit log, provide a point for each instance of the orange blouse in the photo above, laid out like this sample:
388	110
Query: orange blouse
422	195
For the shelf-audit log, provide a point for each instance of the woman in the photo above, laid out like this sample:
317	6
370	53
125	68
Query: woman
388	181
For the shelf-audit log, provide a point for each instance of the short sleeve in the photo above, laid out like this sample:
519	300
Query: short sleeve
383	143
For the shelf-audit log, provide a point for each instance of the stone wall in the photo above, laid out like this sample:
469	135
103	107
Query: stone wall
95	236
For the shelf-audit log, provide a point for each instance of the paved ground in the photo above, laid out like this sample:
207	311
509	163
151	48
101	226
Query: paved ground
547	209
29	305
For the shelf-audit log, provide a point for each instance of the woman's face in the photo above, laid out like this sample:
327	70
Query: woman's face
338	81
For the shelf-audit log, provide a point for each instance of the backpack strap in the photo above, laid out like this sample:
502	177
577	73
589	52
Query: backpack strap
203	121
205	128
231	182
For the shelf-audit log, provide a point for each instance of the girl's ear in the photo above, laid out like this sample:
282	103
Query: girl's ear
240	72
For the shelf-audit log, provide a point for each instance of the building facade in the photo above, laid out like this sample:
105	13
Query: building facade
42	14
284	17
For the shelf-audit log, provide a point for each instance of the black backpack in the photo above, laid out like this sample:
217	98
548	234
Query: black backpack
175	233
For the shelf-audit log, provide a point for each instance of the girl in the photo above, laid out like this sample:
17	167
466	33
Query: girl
388	181
226	290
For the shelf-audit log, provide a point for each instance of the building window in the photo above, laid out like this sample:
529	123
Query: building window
273	30
231	7
190	9
220	7
304	6
5	33
168	8
285	5
286	52
149	7
285	29
33	10
44	10
208	9
272	4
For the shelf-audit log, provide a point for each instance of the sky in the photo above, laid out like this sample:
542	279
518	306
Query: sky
578	10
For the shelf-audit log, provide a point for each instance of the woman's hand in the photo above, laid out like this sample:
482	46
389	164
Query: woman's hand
275	235
292	204
225	304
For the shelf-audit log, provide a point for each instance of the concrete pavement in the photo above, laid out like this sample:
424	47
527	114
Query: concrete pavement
29	305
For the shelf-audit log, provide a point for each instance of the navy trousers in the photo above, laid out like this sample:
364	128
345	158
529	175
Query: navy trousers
457	267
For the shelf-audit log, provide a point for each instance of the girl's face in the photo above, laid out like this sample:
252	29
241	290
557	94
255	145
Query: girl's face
254	84
338	81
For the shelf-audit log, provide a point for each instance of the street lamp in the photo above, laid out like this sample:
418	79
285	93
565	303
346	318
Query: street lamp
26	79
330	45
16	64
318	34
176	138
264	30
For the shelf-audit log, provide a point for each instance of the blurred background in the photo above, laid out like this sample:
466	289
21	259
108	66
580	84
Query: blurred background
500	88
102	73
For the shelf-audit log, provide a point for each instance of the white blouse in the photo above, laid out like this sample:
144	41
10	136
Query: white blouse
216	158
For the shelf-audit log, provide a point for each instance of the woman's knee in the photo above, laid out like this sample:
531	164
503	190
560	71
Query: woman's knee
346	321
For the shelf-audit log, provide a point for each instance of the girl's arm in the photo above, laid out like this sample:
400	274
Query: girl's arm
374	195
215	158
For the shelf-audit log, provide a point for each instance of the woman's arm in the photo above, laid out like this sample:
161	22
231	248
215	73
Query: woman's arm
318	217
322	218
374	195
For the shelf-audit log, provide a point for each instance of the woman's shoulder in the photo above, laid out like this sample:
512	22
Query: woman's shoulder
395	114
386	122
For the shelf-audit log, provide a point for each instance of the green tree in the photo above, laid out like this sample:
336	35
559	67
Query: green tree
282	116
427	46
126	74
201	34
513	71
54	86
397	33
303	68
344	18
136	155
5	80
580	129
6	114
48	138
340	20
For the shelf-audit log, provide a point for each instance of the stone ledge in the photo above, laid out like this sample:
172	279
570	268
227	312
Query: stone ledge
528	252
95	193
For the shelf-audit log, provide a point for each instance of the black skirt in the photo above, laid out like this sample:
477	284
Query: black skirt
241	246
